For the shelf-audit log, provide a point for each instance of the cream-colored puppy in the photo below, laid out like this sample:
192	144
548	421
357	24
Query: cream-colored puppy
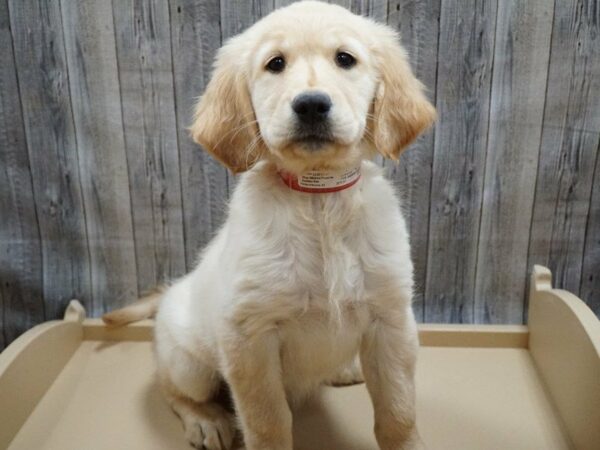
312	266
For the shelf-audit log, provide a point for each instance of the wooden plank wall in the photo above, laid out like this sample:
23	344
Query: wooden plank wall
103	195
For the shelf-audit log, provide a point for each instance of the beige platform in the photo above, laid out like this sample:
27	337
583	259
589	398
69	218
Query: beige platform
73	384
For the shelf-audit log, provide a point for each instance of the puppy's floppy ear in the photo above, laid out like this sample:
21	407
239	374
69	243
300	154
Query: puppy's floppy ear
401	109
224	122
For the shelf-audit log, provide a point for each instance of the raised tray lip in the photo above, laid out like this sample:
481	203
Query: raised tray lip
430	335
547	306
541	282
565	347
10	353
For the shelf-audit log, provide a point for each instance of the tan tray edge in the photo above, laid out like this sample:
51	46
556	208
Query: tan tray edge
96	330
564	343
29	366
430	335
563	337
463	335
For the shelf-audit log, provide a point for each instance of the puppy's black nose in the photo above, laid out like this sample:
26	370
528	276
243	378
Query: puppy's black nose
312	107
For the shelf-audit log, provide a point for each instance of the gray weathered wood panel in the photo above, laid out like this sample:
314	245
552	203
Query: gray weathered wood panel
282	3
523	31
590	276
147	94
376	9
48	120
21	284
344	3
237	15
465	59
93	77
103	194
570	137
419	30
195	38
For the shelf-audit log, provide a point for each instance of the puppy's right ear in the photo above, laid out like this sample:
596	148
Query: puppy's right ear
401	109
224	122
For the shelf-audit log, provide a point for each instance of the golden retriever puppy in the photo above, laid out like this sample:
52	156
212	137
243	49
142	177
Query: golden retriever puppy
312	266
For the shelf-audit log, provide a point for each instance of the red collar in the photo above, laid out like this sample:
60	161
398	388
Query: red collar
321	182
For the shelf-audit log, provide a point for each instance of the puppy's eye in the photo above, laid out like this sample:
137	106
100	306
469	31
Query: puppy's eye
345	60
276	64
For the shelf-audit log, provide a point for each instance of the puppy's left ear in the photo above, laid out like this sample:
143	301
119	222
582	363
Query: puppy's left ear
401	109
224	122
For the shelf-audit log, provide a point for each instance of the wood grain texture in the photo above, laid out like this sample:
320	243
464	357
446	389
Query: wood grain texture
376	9
590	276
21	283
418	25
521	57
93	78
195	38
570	139
103	193
465	58
344	3
282	3
48	121
237	15
143	38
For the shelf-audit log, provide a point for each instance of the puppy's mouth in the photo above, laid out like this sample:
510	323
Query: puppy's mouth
313	142
314	138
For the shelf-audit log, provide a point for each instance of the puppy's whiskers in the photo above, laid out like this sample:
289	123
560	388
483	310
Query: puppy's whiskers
251	148
369	135
236	131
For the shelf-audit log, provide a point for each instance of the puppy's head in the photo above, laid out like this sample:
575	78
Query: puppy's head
310	86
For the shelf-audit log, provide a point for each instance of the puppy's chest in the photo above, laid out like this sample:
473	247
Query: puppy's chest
323	252
313	348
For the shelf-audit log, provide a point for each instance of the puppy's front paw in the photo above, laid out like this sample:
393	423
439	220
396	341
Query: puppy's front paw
394	434
214	433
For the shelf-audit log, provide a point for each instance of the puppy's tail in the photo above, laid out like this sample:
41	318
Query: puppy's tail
144	308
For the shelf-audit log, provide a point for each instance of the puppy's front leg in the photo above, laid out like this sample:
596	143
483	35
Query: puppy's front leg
253	371
388	357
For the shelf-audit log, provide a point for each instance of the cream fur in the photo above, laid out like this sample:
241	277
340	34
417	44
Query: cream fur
295	286
306	279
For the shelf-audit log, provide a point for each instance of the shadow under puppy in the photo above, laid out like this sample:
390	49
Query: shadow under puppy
312	266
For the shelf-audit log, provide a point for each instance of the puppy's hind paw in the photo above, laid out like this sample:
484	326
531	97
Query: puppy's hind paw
210	433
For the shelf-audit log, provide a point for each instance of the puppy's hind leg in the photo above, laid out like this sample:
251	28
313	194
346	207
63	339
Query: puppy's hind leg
190	389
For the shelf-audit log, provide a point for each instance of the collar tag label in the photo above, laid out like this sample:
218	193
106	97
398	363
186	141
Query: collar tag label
321	181
328	179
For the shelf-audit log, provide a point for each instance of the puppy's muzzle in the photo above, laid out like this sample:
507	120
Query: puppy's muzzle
312	114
